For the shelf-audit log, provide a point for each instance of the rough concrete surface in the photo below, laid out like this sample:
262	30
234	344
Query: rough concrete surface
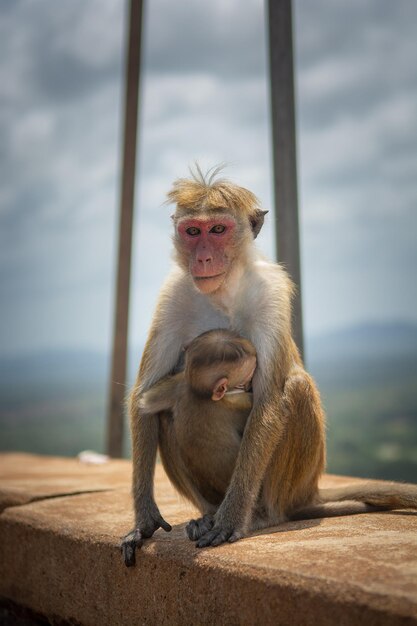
60	557
28	477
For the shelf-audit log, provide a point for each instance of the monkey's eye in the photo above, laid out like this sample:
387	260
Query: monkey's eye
193	231
218	229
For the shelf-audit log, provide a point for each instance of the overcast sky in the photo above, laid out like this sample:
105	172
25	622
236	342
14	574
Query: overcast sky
204	96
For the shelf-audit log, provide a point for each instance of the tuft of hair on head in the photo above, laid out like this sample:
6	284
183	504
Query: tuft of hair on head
207	192
210	176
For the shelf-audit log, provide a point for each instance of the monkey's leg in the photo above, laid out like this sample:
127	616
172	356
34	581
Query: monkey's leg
291	478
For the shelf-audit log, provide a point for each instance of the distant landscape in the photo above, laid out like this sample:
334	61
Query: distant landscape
368	381
55	403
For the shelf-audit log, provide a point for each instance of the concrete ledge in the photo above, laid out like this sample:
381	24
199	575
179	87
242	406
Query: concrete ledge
60	558
28	477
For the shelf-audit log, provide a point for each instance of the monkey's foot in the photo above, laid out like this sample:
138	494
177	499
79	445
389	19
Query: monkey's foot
196	528
219	535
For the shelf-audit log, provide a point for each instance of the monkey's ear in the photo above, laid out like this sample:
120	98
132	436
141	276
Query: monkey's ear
220	388
257	221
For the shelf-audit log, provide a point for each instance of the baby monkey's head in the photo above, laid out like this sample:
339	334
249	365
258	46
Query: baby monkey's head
219	360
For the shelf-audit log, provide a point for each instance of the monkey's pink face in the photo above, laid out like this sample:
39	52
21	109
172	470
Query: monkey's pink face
209	244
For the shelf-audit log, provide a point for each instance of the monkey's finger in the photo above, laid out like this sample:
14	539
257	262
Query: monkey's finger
129	555
163	524
129	544
235	536
206	540
213	538
222	537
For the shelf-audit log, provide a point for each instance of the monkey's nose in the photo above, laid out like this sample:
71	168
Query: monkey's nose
205	259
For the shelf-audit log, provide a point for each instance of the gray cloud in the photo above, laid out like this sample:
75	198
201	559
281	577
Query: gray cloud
221	38
205	96
59	53
352	56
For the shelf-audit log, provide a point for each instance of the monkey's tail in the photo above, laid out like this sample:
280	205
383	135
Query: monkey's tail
380	494
361	498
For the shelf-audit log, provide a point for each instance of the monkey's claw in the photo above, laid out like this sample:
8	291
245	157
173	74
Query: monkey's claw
196	528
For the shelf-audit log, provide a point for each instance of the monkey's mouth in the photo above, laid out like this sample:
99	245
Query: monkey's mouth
201	278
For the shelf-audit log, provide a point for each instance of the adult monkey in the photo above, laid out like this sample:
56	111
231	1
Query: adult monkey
221	281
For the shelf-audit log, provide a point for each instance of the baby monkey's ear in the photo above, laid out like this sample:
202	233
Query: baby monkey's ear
220	388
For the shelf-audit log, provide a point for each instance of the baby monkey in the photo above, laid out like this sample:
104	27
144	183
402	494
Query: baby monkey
203	411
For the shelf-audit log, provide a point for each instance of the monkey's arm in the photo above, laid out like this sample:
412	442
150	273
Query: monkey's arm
145	432
239	401
161	396
239	407
160	357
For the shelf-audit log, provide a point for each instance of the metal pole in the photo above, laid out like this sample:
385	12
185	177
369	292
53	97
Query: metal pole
284	150
117	387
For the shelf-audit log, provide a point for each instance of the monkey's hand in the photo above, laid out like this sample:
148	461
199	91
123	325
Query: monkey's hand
146	527
223	530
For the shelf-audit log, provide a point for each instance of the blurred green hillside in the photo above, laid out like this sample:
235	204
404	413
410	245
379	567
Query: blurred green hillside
55	403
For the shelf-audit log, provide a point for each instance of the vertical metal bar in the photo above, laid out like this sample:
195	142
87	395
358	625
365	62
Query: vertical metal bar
284	149
117	387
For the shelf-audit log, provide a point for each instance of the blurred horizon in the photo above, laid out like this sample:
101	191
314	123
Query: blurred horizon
55	402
